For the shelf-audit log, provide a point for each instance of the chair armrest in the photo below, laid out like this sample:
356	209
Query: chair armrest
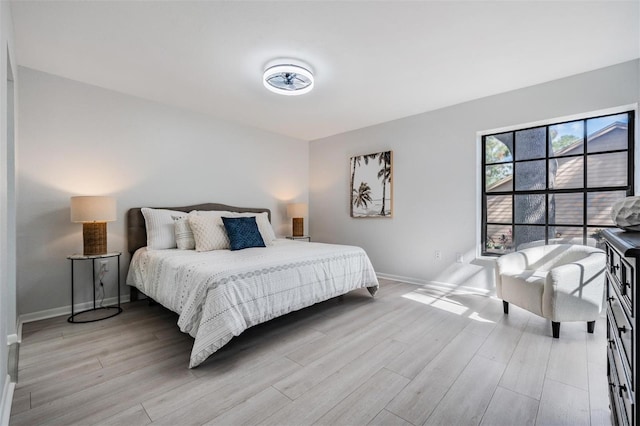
583	279
508	264
512	262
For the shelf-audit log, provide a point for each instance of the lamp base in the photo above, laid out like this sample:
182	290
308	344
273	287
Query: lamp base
94	237
298	226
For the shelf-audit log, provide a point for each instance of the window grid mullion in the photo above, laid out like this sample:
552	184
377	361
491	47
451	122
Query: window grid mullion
513	192
546	179
611	151
548	192
585	184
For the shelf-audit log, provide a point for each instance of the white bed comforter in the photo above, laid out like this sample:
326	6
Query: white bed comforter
221	293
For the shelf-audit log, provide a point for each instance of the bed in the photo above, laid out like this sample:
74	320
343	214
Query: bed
220	293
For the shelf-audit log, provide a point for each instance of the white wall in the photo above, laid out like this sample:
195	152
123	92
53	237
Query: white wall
77	139
436	175
7	209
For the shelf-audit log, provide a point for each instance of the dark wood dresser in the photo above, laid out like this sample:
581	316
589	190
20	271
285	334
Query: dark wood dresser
623	250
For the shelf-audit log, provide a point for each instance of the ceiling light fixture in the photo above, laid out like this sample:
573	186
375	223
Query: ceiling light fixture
288	79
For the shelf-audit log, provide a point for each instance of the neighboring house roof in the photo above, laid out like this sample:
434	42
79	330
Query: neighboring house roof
570	174
613	140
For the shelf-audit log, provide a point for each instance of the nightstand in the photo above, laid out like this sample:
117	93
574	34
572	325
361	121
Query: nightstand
303	238
111	311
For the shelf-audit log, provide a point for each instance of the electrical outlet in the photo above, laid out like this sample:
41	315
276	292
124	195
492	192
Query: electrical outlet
104	265
438	255
459	258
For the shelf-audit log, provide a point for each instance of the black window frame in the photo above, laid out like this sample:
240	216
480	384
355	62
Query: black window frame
585	190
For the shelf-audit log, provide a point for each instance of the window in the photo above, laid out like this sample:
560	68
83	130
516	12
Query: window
554	183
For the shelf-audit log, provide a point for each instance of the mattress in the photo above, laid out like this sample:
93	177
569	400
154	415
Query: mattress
219	294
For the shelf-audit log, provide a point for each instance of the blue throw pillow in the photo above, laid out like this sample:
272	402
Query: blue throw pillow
243	232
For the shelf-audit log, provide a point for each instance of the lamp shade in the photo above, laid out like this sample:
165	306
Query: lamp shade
297	210
86	209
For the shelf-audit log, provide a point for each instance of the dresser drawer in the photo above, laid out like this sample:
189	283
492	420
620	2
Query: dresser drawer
623	411
621	331
621	274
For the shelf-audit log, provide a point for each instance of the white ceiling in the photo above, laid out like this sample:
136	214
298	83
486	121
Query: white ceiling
373	61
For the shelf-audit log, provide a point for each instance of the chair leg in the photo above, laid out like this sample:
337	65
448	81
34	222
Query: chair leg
555	327
591	325
505	306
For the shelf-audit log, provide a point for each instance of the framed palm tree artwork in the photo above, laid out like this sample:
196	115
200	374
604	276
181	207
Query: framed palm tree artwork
371	185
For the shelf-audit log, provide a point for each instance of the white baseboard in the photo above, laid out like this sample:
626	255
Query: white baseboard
66	310
16	338
12	338
435	284
7	399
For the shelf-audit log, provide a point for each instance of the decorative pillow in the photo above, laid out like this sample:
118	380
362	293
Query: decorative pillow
264	226
208	232
243	232
184	234
160	227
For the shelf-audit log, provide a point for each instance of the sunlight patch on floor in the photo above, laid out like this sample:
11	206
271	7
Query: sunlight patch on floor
476	317
440	303
445	304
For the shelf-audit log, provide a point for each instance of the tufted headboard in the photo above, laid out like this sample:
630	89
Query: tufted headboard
137	232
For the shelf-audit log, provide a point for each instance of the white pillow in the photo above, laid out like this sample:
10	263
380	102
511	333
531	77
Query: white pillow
264	226
208	231
184	234
160	227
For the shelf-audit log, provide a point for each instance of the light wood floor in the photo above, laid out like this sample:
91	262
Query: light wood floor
411	356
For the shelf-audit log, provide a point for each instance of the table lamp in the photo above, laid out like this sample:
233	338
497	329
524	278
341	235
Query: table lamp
297	211
94	213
